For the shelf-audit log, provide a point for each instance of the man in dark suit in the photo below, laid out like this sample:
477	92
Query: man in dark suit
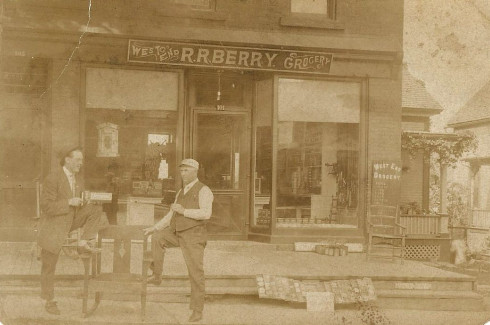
185	227
63	211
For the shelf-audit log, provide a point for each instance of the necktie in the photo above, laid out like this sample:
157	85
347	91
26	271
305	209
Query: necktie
73	185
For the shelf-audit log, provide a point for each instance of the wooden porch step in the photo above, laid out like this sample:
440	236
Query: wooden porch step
393	292
249	281
423	285
431	300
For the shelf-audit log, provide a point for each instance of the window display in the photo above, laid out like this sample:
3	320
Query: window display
138	161
145	161
317	154
130	125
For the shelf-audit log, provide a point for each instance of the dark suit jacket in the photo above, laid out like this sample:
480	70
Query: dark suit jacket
57	216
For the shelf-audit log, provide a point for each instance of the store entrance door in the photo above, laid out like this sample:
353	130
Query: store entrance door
221	144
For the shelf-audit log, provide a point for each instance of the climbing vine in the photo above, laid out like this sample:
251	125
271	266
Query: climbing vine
448	149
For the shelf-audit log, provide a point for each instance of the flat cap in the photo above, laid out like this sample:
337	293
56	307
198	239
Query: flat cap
190	163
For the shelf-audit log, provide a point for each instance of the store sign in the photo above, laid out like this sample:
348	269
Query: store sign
228	57
386	182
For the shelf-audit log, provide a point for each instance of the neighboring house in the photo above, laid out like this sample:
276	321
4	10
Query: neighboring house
427	233
475	174
417	108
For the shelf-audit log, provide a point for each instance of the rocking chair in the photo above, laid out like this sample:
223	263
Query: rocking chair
385	232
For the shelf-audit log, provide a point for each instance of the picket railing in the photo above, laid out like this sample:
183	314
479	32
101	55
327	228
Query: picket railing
422	224
480	218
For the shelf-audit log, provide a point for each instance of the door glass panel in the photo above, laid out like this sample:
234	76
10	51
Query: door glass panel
218	143
221	144
231	90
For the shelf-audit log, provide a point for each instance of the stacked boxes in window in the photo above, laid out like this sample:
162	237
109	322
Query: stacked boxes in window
264	217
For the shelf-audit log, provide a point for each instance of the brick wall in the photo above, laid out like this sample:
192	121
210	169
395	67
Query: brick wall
65	101
384	119
354	17
367	17
384	137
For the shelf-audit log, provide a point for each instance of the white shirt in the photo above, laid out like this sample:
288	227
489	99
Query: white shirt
204	212
71	179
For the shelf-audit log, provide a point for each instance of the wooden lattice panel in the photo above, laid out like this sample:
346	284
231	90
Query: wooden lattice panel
423	252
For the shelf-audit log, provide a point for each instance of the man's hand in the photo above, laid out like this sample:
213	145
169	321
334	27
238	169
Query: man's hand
177	208
75	202
150	230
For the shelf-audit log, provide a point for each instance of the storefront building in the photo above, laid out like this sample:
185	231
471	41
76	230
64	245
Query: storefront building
285	104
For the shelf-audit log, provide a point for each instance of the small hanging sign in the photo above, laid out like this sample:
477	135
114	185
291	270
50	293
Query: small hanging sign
108	140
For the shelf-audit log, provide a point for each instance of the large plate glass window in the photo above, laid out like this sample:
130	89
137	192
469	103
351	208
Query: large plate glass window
130	129
317	153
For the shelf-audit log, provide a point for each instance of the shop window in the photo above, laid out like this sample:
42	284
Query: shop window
317	153
130	128
140	162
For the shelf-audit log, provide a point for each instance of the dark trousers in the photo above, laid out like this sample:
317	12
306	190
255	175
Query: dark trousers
192	242
89	217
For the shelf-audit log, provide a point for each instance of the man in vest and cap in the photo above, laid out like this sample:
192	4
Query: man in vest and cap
185	226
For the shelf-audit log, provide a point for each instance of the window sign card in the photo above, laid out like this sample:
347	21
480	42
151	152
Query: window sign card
107	140
386	182
163	169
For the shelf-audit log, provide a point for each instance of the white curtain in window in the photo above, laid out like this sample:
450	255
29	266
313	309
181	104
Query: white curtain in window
319	101
131	89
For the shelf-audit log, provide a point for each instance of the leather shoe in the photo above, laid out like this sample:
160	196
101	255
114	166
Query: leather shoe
196	316
52	308
155	279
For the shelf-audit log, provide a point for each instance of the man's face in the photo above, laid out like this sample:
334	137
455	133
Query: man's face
74	162
188	174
